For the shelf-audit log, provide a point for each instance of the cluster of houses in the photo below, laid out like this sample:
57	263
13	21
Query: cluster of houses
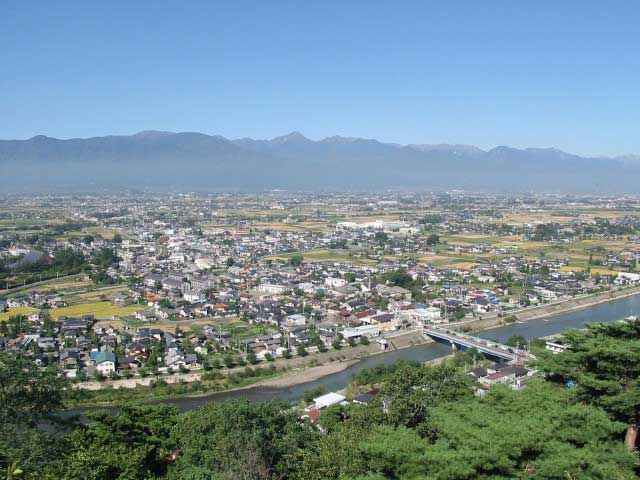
513	374
79	347
505	373
179	261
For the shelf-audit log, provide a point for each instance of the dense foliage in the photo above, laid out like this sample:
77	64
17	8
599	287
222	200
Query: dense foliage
603	362
425	423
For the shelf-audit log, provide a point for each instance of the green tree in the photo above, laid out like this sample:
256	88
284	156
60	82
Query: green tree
381	237
238	439
165	303
413	391
536	433
603	362
229	361
28	394
309	395
252	358
105	258
133	444
516	341
296	260
26	390
433	239
336	455
13	472
539	430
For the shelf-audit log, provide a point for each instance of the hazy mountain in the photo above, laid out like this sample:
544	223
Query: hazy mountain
195	160
460	150
629	159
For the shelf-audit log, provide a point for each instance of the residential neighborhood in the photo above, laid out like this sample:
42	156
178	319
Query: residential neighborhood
121	287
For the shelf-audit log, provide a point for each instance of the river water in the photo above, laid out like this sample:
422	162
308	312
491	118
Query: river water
542	327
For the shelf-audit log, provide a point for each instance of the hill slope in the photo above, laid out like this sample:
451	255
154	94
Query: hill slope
195	160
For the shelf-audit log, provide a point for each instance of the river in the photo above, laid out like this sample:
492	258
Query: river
542	327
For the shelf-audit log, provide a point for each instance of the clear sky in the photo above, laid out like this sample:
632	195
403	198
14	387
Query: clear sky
559	73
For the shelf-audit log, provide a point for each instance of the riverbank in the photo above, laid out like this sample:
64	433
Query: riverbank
547	310
283	379
317	366
297	377
422	352
289	373
415	338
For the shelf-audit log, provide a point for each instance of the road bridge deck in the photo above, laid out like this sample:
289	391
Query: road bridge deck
461	339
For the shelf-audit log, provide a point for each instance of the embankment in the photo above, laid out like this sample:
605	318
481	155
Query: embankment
548	310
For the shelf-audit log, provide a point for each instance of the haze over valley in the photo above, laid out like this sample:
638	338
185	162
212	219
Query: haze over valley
187	160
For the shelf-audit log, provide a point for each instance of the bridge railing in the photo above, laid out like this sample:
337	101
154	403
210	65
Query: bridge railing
477	342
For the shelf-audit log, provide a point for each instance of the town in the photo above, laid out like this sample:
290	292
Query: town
137	287
319	241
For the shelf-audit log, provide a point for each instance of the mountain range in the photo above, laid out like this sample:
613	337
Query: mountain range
187	160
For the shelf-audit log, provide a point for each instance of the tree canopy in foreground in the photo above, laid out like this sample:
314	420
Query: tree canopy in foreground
426	423
603	362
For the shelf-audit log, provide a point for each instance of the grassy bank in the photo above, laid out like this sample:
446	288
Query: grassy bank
159	389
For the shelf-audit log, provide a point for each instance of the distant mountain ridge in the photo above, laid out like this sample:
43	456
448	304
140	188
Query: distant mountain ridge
191	159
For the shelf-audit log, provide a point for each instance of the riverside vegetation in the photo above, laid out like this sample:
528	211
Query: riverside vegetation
426	423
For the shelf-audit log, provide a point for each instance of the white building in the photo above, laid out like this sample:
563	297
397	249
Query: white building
272	288
105	363
556	347
362	331
334	282
626	277
204	263
327	400
194	297
424	315
295	320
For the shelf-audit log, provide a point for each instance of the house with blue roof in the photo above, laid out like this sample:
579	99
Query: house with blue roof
105	362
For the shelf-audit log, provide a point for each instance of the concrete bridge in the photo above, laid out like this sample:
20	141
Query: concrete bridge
464	341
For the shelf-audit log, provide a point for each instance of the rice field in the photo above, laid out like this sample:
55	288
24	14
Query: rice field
105	310
464	262
327	256
294	227
54	285
594	270
101	292
469	239
103	232
16	311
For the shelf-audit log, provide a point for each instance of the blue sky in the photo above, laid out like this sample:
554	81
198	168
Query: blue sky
539	73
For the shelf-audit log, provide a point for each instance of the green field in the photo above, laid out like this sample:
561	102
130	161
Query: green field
327	256
16	311
101	310
104	310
